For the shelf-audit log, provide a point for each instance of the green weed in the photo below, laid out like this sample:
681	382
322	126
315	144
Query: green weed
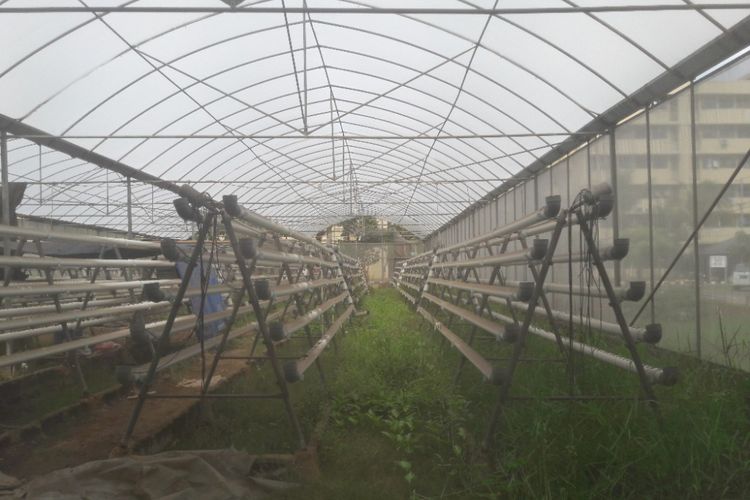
401	428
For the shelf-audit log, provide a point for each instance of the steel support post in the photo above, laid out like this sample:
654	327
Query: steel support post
520	344
298	303
237	301
696	240
615	208
423	285
130	208
479	310
263	328
166	332
347	283
543	296
5	193
615	304
73	356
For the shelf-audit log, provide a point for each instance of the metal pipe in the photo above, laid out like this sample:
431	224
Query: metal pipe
246	230
74	316
515	290
548	211
137	373
456	11
44	330
633	292
491	373
266	292
153	294
237	211
249	251
62	289
280	331
167	331
4	180
40	137
407	296
295	370
263	329
618	251
130	208
5	195
67	306
412	276
664	376
52	235
507	333
64	263
650	334
536	252
181	323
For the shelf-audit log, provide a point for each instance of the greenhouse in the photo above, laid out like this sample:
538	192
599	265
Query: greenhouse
374	249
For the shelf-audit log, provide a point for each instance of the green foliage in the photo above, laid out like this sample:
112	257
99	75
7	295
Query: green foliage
400	427
396	380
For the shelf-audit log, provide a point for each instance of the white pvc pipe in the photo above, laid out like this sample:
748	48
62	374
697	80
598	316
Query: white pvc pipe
61	263
75	316
48	235
63	288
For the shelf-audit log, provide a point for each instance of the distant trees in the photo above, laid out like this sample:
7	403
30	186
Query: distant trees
366	229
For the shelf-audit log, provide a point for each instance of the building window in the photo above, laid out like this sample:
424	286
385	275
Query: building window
663	161
719	161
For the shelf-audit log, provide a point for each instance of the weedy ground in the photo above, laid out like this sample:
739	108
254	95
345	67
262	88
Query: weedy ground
401	427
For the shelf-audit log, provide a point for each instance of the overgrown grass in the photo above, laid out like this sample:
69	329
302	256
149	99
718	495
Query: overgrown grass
400	427
55	392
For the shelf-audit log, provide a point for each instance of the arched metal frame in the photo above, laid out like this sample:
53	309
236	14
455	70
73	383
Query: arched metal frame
317	113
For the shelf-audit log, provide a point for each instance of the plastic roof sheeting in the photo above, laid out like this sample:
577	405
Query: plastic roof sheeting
313	118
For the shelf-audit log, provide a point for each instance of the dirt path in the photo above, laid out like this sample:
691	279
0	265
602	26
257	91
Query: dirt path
94	434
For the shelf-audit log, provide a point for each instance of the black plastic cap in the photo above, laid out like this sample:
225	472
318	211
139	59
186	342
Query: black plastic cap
231	205
124	375
247	248
291	373
601	189
276	329
510	334
192	194
186	211
669	375
618	250
138	327
497	376
636	290
538	249
552	205
152	292
525	290
169	249
263	289
604	206
653	333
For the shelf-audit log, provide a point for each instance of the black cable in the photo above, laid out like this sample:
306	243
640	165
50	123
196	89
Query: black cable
571	334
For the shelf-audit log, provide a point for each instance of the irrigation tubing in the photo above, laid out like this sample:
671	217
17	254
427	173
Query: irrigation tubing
705	217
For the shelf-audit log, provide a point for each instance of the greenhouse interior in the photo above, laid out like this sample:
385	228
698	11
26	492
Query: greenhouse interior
336	249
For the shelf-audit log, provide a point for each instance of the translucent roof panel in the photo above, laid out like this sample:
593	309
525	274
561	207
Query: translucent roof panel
315	111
